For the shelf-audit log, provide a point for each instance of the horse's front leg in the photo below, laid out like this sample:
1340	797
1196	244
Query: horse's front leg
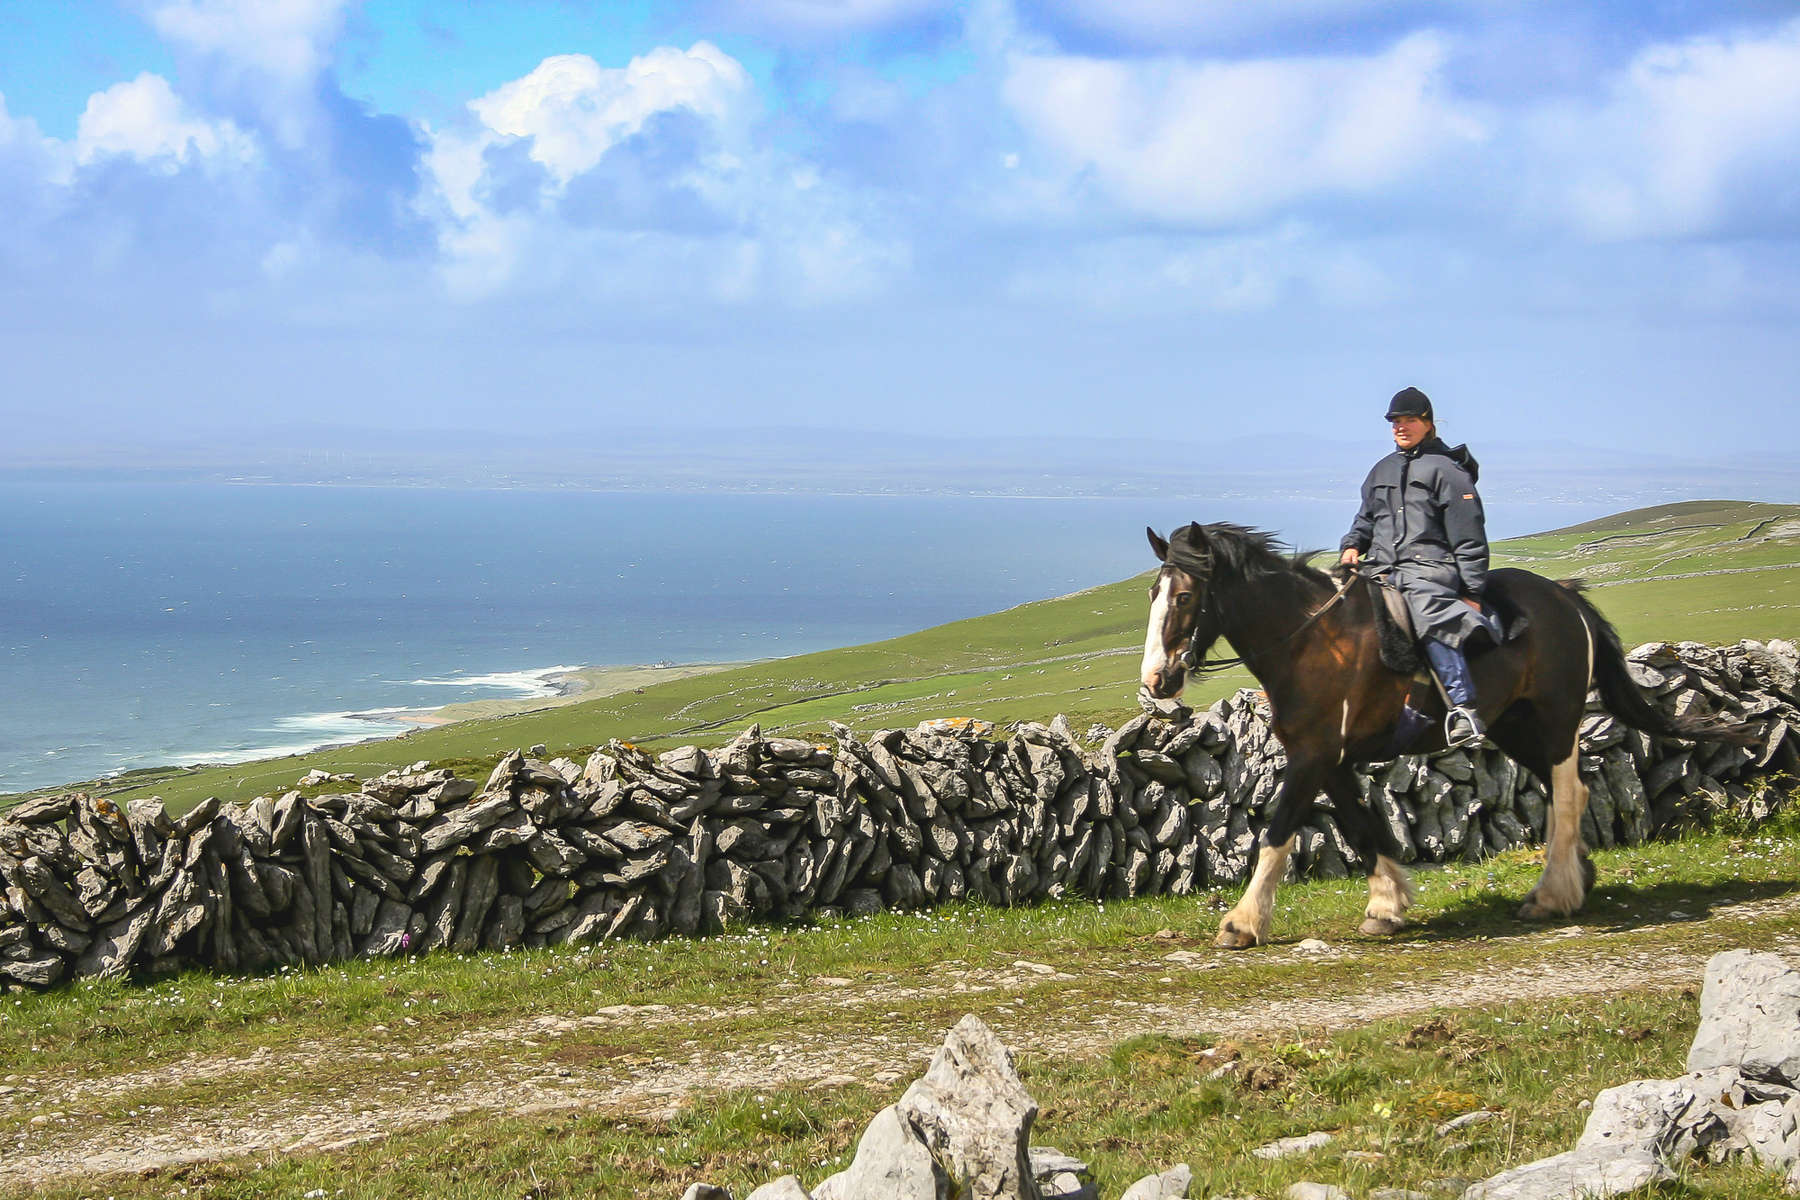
1568	873
1248	924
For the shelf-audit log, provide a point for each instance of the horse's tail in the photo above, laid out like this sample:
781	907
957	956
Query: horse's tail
1626	701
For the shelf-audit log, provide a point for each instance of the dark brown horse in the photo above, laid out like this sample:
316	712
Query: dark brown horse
1333	704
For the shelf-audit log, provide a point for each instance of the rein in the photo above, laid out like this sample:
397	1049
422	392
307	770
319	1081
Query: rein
1190	658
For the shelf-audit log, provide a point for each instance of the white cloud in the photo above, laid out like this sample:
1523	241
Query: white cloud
574	110
144	119
1220	143
1690	139
289	40
764	223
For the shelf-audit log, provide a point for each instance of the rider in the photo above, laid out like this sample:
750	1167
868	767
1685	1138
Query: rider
1421	524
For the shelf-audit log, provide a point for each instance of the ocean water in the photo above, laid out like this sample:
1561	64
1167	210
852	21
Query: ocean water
143	624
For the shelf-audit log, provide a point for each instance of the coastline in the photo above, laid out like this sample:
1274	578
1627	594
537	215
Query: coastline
549	687
561	686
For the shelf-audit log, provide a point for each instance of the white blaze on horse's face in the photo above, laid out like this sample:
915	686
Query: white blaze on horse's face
1161	667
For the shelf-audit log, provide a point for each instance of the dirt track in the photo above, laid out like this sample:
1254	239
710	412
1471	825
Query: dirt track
73	1141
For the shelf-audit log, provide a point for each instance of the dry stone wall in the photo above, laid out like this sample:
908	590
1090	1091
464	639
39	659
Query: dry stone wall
768	828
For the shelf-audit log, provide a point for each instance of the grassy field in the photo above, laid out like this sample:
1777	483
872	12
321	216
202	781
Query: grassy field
1708	571
636	1069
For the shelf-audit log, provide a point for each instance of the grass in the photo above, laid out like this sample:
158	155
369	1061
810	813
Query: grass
1076	655
884	989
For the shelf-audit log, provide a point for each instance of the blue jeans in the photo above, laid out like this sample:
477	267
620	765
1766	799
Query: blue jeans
1453	670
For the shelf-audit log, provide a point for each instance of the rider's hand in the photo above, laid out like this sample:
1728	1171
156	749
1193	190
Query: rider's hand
1350	557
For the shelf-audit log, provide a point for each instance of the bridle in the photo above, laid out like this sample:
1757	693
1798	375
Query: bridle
1191	658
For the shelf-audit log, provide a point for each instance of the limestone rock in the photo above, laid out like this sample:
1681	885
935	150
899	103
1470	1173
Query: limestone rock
705	1191
1169	1185
1749	1017
1289	1146
111	952
1591	1173
1663	1116
1307	1190
972	1111
786	1188
1061	1176
891	1161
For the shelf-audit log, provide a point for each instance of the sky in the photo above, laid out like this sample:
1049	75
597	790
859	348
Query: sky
1189	219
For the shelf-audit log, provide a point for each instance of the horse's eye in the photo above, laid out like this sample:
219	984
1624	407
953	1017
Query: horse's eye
1184	598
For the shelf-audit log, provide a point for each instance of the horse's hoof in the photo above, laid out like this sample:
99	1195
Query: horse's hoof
1381	926
1232	938
1531	910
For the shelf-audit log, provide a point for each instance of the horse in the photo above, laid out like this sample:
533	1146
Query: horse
1314	646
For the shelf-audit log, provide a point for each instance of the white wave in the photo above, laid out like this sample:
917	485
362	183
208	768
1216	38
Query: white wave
535	682
317	730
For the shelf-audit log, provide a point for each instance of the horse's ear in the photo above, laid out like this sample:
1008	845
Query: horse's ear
1158	544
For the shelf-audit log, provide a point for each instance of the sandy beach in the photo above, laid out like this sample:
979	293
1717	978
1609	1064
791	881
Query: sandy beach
571	686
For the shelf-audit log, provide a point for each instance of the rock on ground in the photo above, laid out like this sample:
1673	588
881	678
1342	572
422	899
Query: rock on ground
1749	1017
1170	1185
972	1111
1590	1173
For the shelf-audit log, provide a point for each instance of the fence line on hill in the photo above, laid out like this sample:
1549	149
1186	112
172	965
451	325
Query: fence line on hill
690	841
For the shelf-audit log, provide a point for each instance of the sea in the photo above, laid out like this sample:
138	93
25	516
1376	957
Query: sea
153	623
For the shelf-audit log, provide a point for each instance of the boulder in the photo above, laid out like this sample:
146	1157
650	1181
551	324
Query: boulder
892	1162
1749	1018
1663	1116
786	1188
973	1113
1590	1173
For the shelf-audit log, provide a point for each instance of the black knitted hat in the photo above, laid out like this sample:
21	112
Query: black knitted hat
1410	402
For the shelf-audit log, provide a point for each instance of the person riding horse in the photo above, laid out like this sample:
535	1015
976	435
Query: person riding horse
1421	526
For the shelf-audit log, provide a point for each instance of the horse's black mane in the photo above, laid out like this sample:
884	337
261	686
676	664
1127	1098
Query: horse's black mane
1201	550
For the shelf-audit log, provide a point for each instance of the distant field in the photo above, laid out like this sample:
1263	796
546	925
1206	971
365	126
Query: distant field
1707	571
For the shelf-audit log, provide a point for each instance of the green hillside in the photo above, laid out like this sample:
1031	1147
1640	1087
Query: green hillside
1708	571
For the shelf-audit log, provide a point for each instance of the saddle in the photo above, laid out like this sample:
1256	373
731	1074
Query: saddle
1400	642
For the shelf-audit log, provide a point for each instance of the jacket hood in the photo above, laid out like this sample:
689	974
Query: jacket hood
1457	454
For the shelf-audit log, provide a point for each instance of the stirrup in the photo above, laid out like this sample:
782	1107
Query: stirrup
1462	727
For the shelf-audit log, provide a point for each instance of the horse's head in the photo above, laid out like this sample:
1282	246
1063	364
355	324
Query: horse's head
1182	623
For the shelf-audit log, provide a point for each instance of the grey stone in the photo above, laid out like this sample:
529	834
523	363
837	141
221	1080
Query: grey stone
40	971
706	1191
1308	1190
1590	1173
1061	1176
114	946
1768	1132
1749	1017
1480	1116
1287	1147
786	1188
891	1162
1663	1116
973	1112
1169	1185
460	825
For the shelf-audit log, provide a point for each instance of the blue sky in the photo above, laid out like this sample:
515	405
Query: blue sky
1094	217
